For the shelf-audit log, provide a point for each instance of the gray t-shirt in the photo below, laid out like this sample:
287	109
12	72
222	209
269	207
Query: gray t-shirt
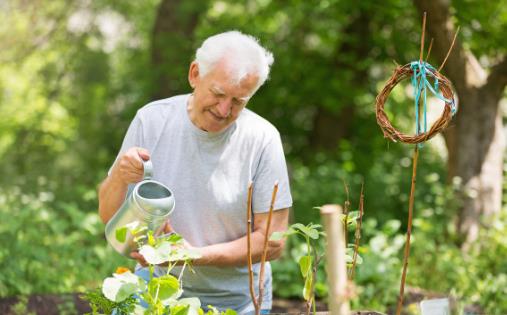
209	175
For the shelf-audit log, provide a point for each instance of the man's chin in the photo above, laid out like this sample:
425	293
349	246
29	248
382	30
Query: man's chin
217	127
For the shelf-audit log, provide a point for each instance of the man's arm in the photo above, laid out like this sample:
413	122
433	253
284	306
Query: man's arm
128	169
234	253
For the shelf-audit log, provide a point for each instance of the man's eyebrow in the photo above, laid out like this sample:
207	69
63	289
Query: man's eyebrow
217	89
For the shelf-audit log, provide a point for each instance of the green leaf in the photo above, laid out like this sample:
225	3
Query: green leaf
151	239
175	238
305	265
307	230
230	312
125	291
167	287
121	234
179	309
276	236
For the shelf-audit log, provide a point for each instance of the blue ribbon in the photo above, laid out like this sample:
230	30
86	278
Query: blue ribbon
420	72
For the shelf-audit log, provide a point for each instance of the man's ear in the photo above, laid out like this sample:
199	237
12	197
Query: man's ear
193	74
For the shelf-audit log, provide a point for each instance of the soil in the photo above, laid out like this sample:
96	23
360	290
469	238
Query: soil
72	304
50	304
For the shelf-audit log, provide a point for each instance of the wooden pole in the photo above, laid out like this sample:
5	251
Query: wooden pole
335	260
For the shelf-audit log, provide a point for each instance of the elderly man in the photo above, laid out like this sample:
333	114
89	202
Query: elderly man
206	146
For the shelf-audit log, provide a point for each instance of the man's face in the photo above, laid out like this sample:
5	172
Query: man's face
217	102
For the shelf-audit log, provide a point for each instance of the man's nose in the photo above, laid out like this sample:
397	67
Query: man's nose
224	107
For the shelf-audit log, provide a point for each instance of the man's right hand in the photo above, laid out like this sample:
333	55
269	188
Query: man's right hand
129	166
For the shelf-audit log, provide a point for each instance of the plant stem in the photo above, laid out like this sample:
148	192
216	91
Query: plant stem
346	208
181	273
357	233
409	230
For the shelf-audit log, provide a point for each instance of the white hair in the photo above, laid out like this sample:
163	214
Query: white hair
242	53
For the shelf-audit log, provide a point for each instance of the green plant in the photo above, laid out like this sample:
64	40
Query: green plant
125	292
21	306
49	246
309	262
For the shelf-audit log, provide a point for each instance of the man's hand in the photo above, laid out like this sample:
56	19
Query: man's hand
126	170
129	167
166	230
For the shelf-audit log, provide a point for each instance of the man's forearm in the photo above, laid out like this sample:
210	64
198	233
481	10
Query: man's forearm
235	253
111	195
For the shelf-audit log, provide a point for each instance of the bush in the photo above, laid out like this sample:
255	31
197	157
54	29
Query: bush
51	247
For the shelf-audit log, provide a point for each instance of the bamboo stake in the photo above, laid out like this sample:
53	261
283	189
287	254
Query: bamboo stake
265	246
249	246
409	230
336	265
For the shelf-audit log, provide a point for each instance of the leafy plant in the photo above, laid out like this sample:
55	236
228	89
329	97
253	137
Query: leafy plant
125	292
309	262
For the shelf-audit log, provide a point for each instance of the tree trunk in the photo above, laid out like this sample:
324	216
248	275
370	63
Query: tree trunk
474	139
173	44
331	126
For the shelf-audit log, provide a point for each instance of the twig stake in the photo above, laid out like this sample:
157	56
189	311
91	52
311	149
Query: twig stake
450	49
409	230
265	247
249	247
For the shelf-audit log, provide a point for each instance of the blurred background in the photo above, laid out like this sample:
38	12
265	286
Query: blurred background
74	73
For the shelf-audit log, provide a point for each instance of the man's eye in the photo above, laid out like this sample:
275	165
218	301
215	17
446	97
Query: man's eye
237	102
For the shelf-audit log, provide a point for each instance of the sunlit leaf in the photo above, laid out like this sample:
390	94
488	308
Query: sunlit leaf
164	287
121	234
305	265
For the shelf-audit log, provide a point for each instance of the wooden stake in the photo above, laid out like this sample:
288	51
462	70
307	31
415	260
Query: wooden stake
335	258
265	247
422	37
249	247
409	230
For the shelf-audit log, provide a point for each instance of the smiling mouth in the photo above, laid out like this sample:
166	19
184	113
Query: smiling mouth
216	117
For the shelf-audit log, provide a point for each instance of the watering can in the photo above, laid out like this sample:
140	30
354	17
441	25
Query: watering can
146	208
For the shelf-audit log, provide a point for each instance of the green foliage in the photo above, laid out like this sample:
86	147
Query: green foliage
69	88
102	305
128	293
309	262
21	307
50	246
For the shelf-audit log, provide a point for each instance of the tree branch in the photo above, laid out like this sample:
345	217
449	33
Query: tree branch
497	79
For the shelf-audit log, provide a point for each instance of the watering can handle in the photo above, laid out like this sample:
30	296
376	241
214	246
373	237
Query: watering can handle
148	169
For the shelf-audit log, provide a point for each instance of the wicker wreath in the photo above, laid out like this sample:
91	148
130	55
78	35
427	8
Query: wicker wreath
401	73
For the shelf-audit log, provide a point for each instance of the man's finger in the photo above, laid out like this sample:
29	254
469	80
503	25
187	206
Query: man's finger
168	228
140	258
274	244
143	154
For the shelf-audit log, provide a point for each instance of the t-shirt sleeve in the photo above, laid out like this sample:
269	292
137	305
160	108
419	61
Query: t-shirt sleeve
272	167
133	138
